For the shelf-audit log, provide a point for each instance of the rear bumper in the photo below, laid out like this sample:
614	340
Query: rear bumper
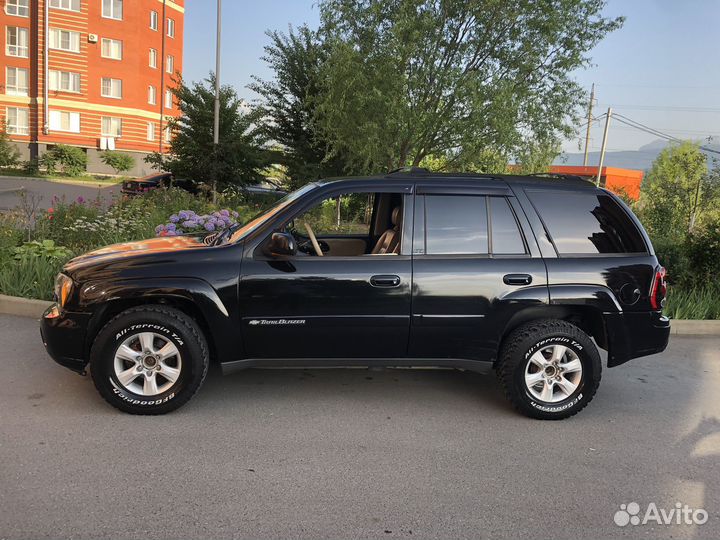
632	335
63	334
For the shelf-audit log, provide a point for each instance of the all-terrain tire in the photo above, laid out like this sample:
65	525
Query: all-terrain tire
536	337
168	325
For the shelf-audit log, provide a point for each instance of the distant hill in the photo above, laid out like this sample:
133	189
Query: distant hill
640	159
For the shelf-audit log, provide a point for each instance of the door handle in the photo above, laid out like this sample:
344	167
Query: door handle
385	281
517	279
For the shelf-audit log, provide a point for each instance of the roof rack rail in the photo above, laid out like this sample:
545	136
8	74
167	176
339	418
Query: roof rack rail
410	170
558	175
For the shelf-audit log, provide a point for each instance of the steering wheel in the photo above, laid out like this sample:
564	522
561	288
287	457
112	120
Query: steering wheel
313	239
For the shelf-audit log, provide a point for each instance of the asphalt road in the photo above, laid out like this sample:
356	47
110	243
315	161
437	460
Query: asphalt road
355	454
45	191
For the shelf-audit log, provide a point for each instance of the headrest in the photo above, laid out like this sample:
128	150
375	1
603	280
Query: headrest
395	217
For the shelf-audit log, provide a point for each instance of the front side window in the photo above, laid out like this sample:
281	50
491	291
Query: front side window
111	126
69	5
153	20
16	81
16	41
17	7
112	48
456	224
64	40
17	121
112	9
348	214
152	58
65	121
586	223
64	81
111	88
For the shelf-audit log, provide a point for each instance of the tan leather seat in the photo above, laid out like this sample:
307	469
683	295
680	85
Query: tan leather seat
389	241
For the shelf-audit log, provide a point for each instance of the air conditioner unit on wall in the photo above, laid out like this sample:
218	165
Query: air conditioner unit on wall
92	38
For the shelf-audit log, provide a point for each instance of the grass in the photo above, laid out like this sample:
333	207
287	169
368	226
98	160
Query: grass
693	303
81	180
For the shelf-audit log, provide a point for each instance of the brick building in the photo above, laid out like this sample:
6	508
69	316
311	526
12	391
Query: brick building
90	73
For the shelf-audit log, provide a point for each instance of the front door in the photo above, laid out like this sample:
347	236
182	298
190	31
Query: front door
330	306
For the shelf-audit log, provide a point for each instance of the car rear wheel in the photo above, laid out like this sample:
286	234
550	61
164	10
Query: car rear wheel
549	369
149	360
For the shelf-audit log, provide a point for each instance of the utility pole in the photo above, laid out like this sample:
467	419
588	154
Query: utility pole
604	145
589	123
216	126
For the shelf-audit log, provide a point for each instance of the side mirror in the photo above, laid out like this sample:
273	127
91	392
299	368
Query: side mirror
281	244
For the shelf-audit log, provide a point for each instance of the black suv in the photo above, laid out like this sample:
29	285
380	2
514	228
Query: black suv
408	269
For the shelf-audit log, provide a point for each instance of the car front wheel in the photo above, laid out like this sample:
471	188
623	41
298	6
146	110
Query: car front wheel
149	360
550	369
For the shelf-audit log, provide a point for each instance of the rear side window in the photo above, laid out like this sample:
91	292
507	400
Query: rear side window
586	223
455	224
505	232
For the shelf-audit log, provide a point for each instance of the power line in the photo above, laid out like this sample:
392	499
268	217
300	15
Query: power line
667	108
647	129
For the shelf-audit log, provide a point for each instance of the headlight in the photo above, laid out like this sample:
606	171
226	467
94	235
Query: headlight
63	286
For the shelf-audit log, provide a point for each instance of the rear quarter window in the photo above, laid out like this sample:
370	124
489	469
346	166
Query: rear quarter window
586	223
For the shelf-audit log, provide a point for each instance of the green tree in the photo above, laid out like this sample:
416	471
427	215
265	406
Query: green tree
118	161
239	156
288	105
9	155
405	79
678	190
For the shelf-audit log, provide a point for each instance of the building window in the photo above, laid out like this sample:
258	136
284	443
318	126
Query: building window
112	48
64	81
65	121
16	81
171	28
111	126
153	20
17	7
151	131
64	40
17	121
170	64
168	99
16	40
111	88
152	95
152	60
69	5
112	9
167	134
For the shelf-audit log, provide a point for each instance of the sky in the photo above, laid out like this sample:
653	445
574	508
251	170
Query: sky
661	69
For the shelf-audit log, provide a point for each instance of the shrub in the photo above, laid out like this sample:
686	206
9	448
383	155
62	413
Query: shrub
42	249
69	160
30	277
118	161
187	221
9	155
693	302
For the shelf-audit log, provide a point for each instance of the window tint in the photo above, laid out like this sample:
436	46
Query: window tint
455	225
506	237
582	223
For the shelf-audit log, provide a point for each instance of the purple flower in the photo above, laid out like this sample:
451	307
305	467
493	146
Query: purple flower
80	199
174	218
159	229
170	227
171	233
224	212
235	214
209	226
183	214
189	224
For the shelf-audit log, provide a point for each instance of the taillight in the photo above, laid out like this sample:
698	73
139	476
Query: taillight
659	289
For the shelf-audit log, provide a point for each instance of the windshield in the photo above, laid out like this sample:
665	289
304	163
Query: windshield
269	213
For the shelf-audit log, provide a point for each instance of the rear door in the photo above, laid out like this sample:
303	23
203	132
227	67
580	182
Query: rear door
475	264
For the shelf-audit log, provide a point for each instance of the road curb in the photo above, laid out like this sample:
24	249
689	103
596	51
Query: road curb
27	307
22	307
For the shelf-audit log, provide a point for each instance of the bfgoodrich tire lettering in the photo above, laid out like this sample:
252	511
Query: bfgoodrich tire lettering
164	327
566	383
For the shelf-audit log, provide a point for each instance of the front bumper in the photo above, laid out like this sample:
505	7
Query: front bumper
632	335
63	334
